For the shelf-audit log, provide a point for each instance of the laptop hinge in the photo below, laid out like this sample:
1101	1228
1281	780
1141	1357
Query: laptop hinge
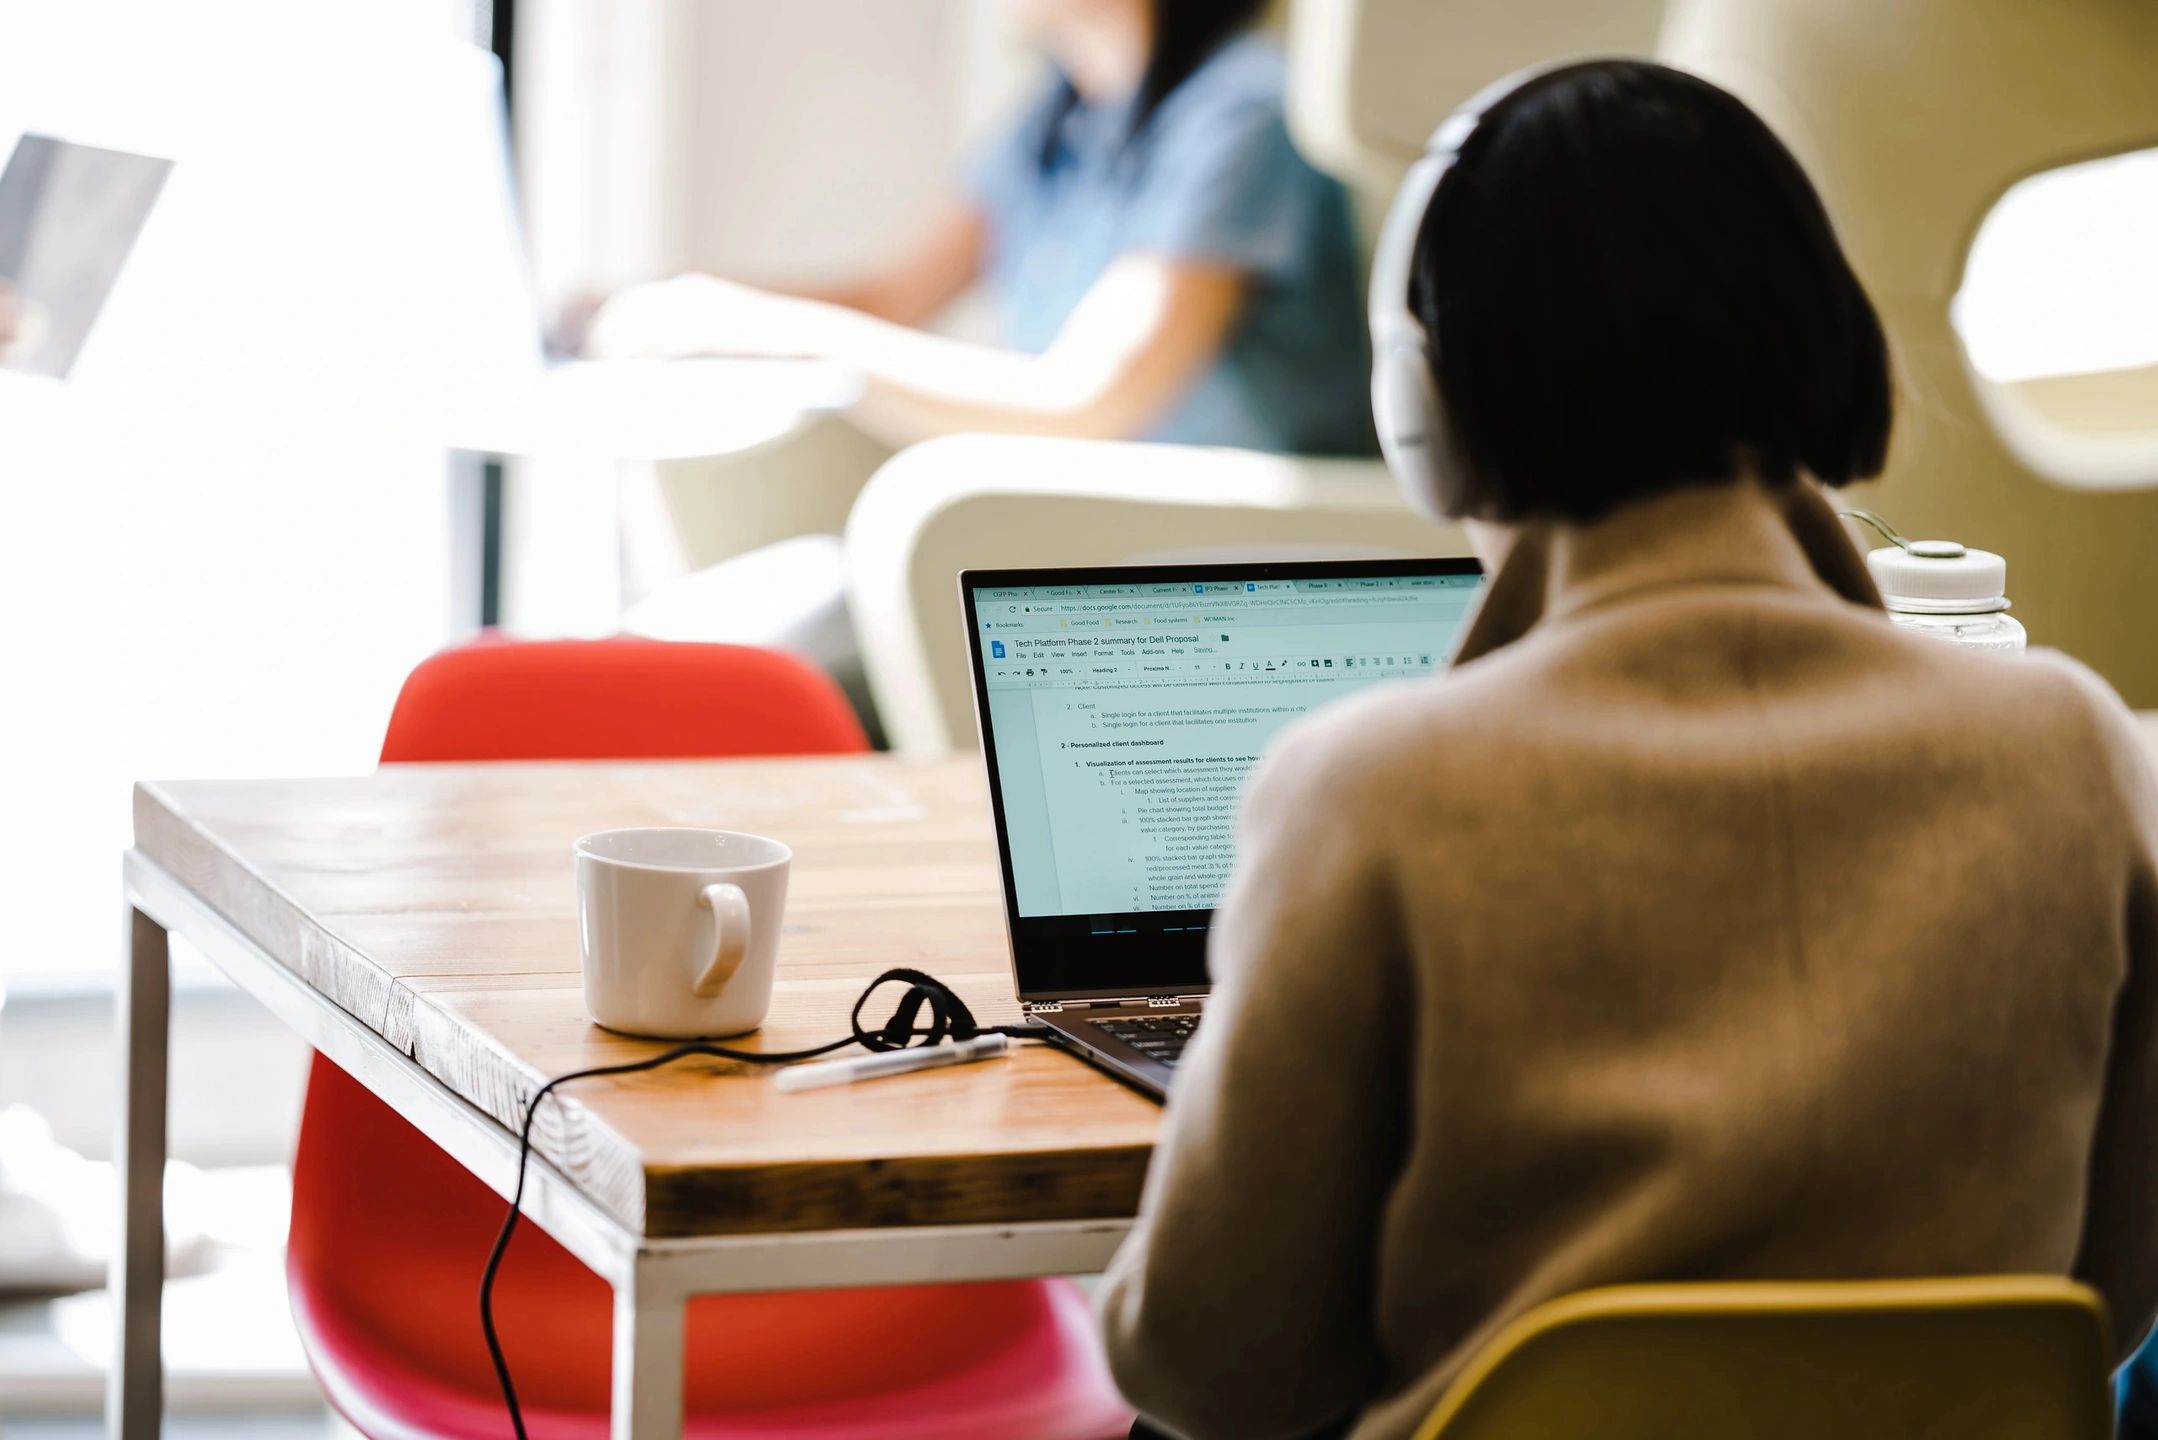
1152	1002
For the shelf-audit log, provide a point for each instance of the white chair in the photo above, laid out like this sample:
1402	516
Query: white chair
978	501
1369	80
799	482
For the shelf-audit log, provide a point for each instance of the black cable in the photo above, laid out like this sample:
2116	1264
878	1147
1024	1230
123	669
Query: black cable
949	1017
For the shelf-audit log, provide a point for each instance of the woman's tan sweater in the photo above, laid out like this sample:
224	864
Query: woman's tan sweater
1697	924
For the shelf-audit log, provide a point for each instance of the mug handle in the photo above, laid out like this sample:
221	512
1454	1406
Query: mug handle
730	936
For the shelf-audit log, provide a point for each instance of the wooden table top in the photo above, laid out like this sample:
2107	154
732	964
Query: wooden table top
437	904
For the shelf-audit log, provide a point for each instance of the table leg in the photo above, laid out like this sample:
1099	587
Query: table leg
648	1315
135	1392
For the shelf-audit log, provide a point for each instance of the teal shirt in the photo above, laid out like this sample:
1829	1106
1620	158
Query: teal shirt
1211	177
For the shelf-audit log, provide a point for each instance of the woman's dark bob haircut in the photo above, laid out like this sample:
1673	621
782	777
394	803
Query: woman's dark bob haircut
1631	287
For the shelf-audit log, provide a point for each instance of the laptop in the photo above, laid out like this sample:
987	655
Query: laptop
1121	710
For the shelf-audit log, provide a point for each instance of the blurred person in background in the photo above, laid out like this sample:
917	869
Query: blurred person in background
1160	261
13	322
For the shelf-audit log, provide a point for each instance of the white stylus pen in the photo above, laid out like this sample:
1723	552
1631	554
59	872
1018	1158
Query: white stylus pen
817	1074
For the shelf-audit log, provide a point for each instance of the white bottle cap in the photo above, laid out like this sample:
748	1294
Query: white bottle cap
1939	577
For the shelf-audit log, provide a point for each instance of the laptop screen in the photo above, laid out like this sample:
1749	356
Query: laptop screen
1121	712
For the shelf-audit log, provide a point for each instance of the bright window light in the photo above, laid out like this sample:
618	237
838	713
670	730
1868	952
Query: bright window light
2063	275
227	534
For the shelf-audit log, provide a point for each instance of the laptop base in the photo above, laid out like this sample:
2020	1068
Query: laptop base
1080	1033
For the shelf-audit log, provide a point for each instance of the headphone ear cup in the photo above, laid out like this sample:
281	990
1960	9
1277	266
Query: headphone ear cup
1413	432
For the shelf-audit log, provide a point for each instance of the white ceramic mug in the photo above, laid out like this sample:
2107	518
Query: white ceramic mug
681	929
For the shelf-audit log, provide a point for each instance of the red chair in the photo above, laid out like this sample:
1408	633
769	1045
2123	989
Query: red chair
389	1234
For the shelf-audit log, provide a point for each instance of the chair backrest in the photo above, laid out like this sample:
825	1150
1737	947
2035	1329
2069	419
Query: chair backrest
1914	118
1369	80
617	699
1981	1358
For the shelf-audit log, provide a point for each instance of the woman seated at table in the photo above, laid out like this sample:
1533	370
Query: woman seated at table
1699	923
1161	262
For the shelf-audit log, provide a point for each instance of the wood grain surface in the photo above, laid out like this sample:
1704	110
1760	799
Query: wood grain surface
436	904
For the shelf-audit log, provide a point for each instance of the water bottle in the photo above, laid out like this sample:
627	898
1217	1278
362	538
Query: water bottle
1944	589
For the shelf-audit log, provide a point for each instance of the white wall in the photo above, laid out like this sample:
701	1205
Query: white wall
767	141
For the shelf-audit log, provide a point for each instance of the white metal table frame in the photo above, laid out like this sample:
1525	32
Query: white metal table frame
652	1278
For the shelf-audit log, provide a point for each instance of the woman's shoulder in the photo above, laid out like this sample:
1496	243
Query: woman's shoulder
2082	701
1252	63
1246	76
1459	729
1372	747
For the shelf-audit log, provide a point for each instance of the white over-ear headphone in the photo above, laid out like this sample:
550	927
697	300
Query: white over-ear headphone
1414	433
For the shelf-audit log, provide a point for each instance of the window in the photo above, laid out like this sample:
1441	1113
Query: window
2058	314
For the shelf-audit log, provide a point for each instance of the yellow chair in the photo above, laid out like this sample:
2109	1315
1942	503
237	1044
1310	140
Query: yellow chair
1987	1358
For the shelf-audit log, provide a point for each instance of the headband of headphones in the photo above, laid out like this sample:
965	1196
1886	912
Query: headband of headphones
1395	256
1413	431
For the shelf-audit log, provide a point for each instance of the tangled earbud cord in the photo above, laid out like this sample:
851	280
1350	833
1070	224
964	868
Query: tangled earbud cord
949	1018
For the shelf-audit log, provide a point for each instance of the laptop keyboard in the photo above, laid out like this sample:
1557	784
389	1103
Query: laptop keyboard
1158	1037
